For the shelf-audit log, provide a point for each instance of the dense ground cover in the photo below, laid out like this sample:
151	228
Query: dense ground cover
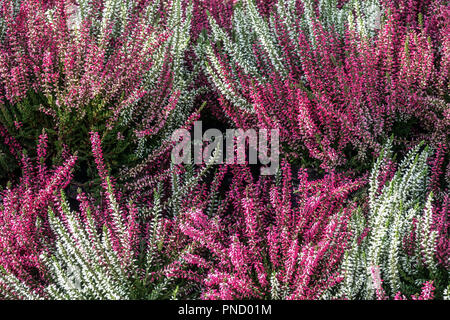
92	207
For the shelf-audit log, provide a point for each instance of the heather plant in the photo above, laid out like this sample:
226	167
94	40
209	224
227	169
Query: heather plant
112	249
132	255
221	10
24	227
395	248
116	67
116	261
364	17
335	93
100	209
272	243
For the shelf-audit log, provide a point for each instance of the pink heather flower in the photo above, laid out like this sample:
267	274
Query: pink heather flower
268	237
344	92
24	230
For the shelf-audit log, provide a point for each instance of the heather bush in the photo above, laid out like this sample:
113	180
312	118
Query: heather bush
112	250
335	88
116	67
123	258
395	245
278	241
24	228
358	208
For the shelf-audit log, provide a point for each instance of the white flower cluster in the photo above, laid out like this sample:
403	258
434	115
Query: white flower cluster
401	210
85	265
